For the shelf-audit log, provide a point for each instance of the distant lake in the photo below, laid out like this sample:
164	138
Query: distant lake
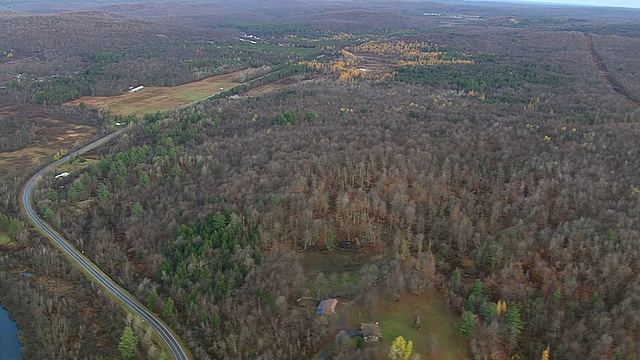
9	344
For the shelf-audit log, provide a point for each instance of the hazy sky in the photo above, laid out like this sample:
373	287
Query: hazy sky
621	3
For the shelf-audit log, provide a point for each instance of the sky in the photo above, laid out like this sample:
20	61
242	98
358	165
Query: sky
610	3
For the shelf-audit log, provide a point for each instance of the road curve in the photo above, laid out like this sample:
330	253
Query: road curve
171	340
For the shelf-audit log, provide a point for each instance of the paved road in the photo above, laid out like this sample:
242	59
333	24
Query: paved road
94	272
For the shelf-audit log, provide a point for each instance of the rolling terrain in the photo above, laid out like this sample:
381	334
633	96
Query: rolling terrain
463	175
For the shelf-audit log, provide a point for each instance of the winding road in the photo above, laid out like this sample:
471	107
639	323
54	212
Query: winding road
95	274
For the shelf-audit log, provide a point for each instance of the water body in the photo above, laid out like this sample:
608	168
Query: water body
9	344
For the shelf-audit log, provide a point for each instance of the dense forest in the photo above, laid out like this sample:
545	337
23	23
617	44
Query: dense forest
491	161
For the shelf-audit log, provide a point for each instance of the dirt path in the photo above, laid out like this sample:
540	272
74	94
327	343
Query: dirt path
597	59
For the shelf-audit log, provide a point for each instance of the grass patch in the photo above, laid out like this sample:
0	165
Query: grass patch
195	96
437	339
336	284
77	164
4	238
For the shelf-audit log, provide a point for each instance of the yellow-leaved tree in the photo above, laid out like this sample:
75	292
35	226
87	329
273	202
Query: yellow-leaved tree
400	349
545	353
501	307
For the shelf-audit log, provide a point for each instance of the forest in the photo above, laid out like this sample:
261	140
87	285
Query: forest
485	157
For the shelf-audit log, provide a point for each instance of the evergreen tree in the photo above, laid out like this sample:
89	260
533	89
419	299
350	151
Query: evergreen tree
103	193
476	290
168	309
216	321
128	343
153	300
136	209
466	326
4	222
176	171
45	212
72	195
53	195
143	181
514	325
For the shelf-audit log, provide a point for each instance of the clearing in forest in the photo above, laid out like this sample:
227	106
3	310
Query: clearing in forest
52	136
152	99
437	339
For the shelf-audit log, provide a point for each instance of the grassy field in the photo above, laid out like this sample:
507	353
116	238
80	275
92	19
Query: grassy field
438	339
152	99
440	324
4	238
53	136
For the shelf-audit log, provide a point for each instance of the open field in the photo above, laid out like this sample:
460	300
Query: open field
374	64
52	136
438	339
152	99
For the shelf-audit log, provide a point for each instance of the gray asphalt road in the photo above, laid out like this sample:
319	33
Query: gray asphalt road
94	272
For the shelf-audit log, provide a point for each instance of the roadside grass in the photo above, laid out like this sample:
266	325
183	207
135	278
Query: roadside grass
77	164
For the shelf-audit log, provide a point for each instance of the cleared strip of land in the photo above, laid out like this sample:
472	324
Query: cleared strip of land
152	99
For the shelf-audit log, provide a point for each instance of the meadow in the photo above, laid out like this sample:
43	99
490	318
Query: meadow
160	98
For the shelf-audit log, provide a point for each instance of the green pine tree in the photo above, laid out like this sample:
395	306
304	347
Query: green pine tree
53	195
103	193
128	343
143	181
45	212
168	309
514	325
153	300
466	326
4	222
136	209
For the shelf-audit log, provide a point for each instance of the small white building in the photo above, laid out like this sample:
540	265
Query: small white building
137	88
62	175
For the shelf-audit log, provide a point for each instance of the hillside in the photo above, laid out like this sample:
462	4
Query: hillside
462	176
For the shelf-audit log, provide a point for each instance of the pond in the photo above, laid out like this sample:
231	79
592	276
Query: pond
9	344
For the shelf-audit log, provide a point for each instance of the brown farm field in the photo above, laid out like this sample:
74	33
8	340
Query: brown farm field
53	135
152	99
